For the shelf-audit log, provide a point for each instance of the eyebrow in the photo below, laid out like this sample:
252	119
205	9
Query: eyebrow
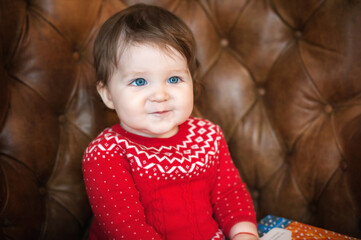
127	75
171	72
181	71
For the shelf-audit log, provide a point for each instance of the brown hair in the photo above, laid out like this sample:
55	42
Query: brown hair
141	23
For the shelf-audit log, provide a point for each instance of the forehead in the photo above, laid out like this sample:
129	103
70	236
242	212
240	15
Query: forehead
143	51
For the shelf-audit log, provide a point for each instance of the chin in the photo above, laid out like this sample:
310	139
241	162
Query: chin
164	133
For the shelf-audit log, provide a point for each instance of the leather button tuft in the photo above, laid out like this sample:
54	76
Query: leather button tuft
76	55
261	91
298	34
313	208
224	42
62	119
343	165
328	108
255	194
42	191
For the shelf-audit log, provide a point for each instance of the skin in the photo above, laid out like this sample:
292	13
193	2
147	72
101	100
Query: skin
151	91
243	227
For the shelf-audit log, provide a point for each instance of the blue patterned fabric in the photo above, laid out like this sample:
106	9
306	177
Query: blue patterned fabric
269	222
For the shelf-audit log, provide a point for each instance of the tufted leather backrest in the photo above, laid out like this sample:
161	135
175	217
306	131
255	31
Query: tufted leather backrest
282	78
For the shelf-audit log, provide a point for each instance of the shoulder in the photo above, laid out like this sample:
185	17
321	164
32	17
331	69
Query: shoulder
105	141
204	125
106	151
202	129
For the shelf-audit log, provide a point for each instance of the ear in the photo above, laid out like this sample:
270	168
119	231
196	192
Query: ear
104	93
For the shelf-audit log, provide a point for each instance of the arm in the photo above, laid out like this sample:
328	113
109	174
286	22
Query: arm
112	193
231	201
243	230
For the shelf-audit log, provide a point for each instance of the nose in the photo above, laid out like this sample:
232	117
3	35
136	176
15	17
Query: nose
159	94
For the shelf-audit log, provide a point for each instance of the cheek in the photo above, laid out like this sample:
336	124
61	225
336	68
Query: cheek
129	104
187	100
190	95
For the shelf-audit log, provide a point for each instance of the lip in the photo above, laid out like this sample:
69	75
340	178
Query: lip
160	113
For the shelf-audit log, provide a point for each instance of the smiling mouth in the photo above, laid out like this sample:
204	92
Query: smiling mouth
160	113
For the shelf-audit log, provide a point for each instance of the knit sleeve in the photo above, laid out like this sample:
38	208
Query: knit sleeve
112	194
231	200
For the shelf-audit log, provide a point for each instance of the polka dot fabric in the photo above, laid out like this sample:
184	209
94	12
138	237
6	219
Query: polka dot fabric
230	198
183	187
301	231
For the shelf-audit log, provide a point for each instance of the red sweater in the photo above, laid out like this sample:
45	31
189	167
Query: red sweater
182	187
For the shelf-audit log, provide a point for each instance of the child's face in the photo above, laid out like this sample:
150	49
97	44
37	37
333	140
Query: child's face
151	91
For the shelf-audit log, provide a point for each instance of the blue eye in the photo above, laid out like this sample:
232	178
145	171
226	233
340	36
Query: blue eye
139	82
173	80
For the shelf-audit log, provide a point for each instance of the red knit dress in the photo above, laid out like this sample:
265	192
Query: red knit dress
182	187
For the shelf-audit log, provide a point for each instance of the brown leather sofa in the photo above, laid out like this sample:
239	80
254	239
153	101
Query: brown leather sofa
281	77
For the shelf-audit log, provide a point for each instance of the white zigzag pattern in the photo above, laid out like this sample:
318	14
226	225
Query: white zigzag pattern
184	145
219	236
